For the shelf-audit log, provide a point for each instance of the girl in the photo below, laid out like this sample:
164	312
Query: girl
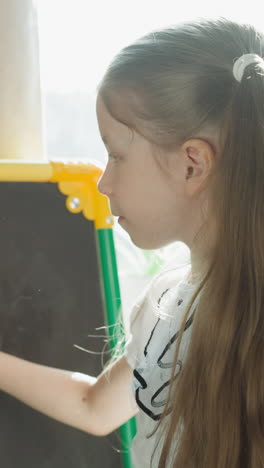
181	112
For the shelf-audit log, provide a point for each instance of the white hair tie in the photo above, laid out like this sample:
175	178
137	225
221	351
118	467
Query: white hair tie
242	62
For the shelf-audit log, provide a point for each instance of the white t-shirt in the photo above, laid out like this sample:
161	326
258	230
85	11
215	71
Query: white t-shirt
150	351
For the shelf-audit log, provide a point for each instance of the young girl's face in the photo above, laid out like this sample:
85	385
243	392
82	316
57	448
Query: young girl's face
151	204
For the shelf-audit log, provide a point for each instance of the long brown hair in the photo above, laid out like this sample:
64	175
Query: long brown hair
169	85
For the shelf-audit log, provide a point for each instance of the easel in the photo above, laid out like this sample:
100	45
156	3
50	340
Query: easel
78	181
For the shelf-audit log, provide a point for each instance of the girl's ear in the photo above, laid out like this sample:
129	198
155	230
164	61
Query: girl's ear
199	157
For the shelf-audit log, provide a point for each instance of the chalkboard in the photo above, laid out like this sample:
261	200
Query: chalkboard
50	301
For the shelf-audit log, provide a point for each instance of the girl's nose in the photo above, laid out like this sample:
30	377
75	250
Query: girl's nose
103	186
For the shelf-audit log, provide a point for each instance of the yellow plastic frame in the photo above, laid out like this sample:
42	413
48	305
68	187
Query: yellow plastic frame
78	181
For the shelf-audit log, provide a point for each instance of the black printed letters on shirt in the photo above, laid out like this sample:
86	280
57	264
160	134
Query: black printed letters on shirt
154	403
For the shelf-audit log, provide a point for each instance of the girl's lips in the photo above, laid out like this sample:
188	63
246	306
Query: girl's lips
121	218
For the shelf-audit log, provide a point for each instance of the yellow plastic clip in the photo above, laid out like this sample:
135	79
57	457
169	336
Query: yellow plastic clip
79	182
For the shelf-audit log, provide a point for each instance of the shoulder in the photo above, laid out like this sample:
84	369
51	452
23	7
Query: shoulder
155	298
150	297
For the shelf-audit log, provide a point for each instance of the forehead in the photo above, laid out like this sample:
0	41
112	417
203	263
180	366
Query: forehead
110	128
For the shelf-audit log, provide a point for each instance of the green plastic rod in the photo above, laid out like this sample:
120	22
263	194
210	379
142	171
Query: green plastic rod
112	306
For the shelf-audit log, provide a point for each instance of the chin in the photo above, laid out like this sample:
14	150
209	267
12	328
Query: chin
148	245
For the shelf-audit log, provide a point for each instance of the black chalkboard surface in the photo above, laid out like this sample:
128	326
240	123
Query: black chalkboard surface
50	300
